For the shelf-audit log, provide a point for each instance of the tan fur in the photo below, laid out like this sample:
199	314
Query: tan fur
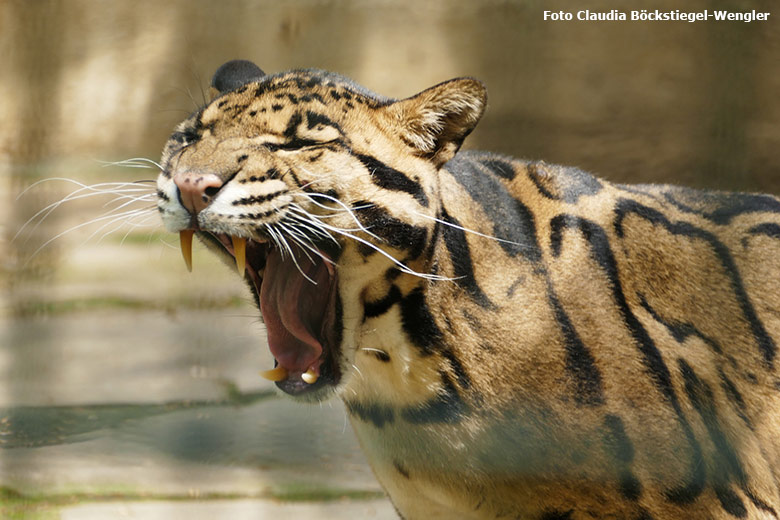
516	436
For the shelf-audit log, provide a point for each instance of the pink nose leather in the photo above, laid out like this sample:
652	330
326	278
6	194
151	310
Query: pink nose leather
194	189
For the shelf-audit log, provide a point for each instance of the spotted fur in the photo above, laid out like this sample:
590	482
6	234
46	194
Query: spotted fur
513	339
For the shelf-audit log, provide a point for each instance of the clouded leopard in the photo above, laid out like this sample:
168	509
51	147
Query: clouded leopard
511	339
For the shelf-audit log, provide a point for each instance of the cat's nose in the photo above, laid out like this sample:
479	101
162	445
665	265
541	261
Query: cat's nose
197	190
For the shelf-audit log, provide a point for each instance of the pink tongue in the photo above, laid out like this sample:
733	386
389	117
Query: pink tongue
294	310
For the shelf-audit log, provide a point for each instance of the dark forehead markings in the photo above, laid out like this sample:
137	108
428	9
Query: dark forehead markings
313	119
292	125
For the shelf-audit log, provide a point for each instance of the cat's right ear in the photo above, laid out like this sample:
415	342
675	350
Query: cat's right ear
233	75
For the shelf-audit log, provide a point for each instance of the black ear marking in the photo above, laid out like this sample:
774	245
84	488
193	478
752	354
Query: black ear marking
233	74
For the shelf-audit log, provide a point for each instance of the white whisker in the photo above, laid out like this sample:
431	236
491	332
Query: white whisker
135	162
121	189
467	230
403	267
111	218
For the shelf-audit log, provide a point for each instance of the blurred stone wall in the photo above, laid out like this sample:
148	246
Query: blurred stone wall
634	101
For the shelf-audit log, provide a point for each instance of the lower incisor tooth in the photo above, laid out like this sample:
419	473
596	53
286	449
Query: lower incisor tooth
309	377
277	374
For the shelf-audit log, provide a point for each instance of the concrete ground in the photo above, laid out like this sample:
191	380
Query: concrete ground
129	388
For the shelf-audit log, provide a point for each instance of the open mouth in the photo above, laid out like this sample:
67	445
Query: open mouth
297	293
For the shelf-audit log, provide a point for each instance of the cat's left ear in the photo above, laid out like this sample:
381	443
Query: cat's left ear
232	75
437	120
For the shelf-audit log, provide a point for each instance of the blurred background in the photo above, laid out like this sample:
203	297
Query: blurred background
128	387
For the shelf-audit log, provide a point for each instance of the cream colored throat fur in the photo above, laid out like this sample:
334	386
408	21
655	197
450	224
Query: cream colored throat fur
511	339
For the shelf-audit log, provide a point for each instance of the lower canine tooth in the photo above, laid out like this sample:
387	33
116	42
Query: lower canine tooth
309	376
239	250
277	374
185	239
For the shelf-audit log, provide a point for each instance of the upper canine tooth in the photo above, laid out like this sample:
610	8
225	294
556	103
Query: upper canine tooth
239	250
309	376
185	239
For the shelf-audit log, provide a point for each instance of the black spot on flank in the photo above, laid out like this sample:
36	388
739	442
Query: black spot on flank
601	253
391	179
510	292
253	113
501	168
556	515
242	158
293	99
760	504
619	447
512	221
562	182
349	105
680	331
766	344
316	97
379	307
629	485
378	415
643	515
769	229
579	360
346	95
313	119
263	110
400	469
720	208
735	397
222	103
275	107
652	359
473	321
457	368
394	232
460	256
702	399
418	322
447	407
616	441
730	501
335	95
